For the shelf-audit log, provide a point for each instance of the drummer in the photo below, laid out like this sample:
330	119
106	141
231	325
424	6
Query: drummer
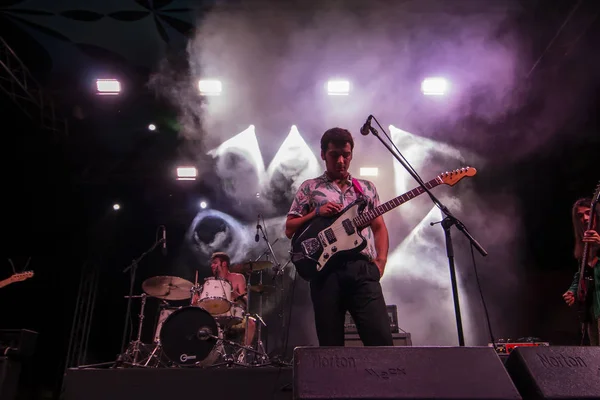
219	264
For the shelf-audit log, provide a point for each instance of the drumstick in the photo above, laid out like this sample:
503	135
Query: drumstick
195	283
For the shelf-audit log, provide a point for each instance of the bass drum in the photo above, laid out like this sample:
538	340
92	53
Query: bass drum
184	337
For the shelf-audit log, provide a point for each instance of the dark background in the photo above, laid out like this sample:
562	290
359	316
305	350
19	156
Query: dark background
60	186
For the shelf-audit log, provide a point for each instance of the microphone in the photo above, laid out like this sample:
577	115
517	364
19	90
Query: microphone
257	228
164	241
366	127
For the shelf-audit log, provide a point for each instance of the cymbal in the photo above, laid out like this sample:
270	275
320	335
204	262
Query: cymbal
168	287
262	288
250	266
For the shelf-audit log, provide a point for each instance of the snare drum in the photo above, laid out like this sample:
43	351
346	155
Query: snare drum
215	296
233	317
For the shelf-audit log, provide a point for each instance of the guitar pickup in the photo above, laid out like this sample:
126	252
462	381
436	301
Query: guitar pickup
348	227
330	236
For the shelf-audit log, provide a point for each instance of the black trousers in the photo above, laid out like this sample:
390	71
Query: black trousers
351	284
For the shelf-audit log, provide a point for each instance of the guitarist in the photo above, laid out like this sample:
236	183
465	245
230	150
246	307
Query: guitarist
350	283
581	215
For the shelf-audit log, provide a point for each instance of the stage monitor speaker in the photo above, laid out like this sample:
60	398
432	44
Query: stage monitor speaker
556	372
400	373
400	339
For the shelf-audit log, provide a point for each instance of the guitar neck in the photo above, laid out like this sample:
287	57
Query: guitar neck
584	259
365	218
5	282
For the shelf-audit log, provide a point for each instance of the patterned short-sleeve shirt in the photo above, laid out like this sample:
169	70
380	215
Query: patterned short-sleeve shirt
322	189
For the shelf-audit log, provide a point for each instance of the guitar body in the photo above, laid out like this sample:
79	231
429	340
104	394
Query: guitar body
323	239
584	295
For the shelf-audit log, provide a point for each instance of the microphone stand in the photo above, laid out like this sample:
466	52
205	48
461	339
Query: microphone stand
446	223
133	269
270	250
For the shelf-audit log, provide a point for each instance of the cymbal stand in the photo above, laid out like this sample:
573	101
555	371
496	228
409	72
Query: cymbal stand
134	350
247	315
263	357
138	341
132	268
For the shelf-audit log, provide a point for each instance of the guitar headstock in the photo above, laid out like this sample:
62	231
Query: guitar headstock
596	196
21	276
453	177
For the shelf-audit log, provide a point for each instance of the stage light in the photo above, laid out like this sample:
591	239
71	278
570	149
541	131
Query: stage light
108	87
368	171
187	173
116	207
434	86
203	204
210	87
152	127
338	88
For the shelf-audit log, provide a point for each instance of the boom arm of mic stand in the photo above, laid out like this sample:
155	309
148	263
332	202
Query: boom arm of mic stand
144	254
265	252
270	248
456	221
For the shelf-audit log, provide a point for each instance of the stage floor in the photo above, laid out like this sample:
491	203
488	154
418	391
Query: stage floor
179	383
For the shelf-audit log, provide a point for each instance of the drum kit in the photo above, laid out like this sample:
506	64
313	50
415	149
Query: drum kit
198	334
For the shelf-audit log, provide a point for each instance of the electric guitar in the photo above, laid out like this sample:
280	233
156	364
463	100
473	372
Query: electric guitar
586	279
323	239
16	278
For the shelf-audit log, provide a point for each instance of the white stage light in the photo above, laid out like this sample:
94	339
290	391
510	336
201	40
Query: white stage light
108	87
116	207
210	87
434	86
187	173
203	205
338	88
367	171
152	127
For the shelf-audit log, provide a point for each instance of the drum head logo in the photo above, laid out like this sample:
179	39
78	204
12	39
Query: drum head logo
184	357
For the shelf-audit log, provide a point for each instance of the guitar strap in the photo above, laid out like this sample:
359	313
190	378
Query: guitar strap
356	186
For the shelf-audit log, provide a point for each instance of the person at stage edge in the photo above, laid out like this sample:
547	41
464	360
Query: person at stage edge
350	283
581	213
